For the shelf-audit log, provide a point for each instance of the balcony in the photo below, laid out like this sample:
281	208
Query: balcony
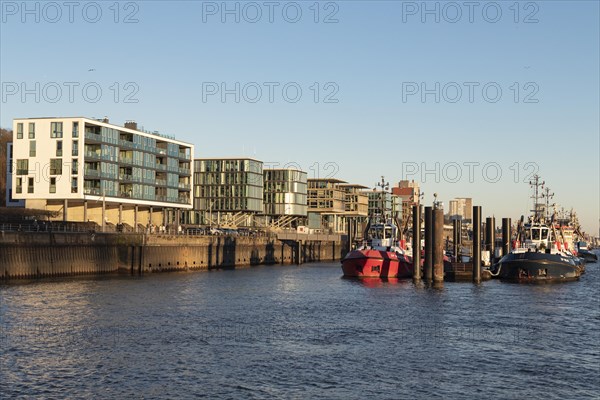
185	186
161	167
93	137
161	182
126	160
184	171
125	177
91	172
93	191
172	168
93	154
161	198
184	156
126	143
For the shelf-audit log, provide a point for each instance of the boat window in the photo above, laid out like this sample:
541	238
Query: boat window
376	233
388	232
535	234
544	234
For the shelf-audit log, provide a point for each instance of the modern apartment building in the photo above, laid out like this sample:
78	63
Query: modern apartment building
327	204
91	170
356	200
379	200
357	208
285	197
228	191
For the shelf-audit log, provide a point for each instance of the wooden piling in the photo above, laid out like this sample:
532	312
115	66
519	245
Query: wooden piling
505	236
438	245
416	243
476	244
428	262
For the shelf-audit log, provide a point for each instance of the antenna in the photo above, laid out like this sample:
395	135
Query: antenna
536	184
547	195
385	186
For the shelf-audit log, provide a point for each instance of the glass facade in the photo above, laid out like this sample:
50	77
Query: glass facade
124	164
285	192
378	199
228	185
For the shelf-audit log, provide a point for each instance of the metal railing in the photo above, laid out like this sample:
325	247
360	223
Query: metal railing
91	172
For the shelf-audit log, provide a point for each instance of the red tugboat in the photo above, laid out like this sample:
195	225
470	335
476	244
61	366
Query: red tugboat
380	256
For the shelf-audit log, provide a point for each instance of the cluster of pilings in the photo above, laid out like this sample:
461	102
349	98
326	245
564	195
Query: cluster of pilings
433	262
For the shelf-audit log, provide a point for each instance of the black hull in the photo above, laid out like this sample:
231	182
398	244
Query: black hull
588	256
538	267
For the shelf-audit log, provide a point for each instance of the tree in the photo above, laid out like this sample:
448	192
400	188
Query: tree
5	137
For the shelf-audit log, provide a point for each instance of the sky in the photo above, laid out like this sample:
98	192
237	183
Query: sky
469	98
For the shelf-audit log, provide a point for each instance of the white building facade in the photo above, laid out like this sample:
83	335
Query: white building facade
91	170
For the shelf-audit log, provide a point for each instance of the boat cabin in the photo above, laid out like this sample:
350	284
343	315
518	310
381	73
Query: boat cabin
382	235
537	236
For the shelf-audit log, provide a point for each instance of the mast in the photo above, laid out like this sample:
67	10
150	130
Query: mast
384	188
536	185
547	195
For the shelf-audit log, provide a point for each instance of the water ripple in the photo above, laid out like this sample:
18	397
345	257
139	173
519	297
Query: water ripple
298	332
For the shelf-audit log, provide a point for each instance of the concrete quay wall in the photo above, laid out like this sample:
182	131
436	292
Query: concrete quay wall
25	255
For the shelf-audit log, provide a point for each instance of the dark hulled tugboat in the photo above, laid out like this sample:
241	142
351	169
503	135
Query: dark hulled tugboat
583	252
537	255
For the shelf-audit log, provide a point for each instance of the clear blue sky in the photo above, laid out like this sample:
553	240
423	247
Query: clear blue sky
371	55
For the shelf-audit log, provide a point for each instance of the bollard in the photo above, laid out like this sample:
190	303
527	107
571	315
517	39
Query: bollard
505	236
476	244
438	244
416	243
428	261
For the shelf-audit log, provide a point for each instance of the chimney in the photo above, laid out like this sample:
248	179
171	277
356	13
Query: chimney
105	120
131	125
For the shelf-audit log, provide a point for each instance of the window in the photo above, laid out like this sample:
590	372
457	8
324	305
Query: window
32	130
75	151
30	185
22	167
56	166
19	131
74	185
52	185
59	148
75	129
74	167
56	129
32	148
19	185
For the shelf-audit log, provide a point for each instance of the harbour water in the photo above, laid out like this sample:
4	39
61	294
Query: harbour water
298	332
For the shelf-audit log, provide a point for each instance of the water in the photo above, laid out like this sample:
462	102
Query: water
298	332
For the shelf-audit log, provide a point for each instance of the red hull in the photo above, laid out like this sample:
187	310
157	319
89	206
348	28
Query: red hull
376	264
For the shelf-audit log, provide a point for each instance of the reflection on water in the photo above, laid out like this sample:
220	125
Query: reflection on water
298	332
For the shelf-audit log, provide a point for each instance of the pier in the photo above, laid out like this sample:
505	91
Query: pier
52	254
